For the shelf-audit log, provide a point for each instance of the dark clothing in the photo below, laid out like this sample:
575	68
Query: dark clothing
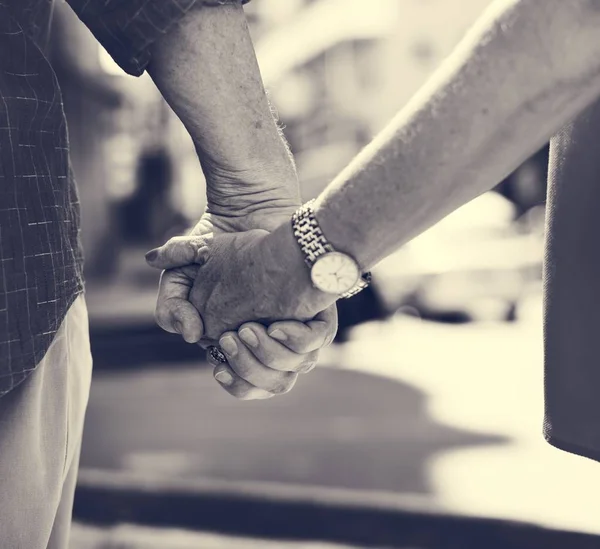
40	253
572	289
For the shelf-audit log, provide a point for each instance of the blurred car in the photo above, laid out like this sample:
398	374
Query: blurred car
475	265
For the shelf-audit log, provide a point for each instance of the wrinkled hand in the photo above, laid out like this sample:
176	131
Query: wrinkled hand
267	364
182	257
261	365
250	277
232	207
256	371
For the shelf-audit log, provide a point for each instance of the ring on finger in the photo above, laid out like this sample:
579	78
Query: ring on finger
217	355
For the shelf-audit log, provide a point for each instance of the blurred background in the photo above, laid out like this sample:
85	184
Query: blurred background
432	393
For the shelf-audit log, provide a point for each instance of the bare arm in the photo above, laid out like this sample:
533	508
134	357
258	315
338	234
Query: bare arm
525	69
207	71
200	55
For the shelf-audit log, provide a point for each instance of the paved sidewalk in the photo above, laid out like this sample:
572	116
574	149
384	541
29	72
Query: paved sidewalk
337	428
488	379
450	413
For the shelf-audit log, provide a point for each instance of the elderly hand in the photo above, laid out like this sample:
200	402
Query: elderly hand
264	201
259	367
263	362
183	255
251	276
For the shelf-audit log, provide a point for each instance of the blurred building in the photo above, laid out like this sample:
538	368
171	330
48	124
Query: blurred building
129	152
338	70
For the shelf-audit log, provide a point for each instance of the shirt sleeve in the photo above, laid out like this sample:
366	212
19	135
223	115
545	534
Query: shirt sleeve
127	28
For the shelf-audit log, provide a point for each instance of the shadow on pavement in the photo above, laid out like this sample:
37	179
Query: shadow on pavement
337	428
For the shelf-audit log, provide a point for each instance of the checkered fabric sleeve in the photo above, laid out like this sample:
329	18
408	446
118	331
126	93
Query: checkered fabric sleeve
127	28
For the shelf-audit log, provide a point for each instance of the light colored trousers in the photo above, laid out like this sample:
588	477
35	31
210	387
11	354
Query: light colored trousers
41	426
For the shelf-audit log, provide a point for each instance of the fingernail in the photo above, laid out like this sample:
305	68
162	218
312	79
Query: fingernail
229	346
224	377
152	255
248	336
278	335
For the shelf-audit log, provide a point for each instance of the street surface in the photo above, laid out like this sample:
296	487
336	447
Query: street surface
448	413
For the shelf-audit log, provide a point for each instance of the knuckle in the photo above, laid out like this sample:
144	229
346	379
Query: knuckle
249	376
177	307
238	393
323	339
329	338
279	389
161	317
191	248
237	390
302	346
252	394
240	367
271	362
307	366
284	385
309	363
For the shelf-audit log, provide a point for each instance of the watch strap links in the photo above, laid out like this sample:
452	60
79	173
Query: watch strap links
313	243
310	238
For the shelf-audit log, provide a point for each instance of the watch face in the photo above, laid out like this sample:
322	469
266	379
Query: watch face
335	273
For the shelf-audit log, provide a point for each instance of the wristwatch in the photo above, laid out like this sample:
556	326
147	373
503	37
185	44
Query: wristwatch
331	271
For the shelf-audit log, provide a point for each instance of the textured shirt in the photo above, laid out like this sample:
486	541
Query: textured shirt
40	254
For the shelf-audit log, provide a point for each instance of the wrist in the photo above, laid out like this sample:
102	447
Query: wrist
206	70
248	191
256	154
283	256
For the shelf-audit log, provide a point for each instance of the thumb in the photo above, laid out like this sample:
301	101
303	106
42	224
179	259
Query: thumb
179	251
306	337
174	313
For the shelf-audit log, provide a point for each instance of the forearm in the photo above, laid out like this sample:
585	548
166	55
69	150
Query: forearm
523	71
207	71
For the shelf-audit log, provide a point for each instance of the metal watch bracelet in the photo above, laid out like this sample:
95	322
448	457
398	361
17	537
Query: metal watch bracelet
313	243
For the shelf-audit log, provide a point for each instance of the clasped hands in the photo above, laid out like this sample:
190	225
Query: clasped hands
237	281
